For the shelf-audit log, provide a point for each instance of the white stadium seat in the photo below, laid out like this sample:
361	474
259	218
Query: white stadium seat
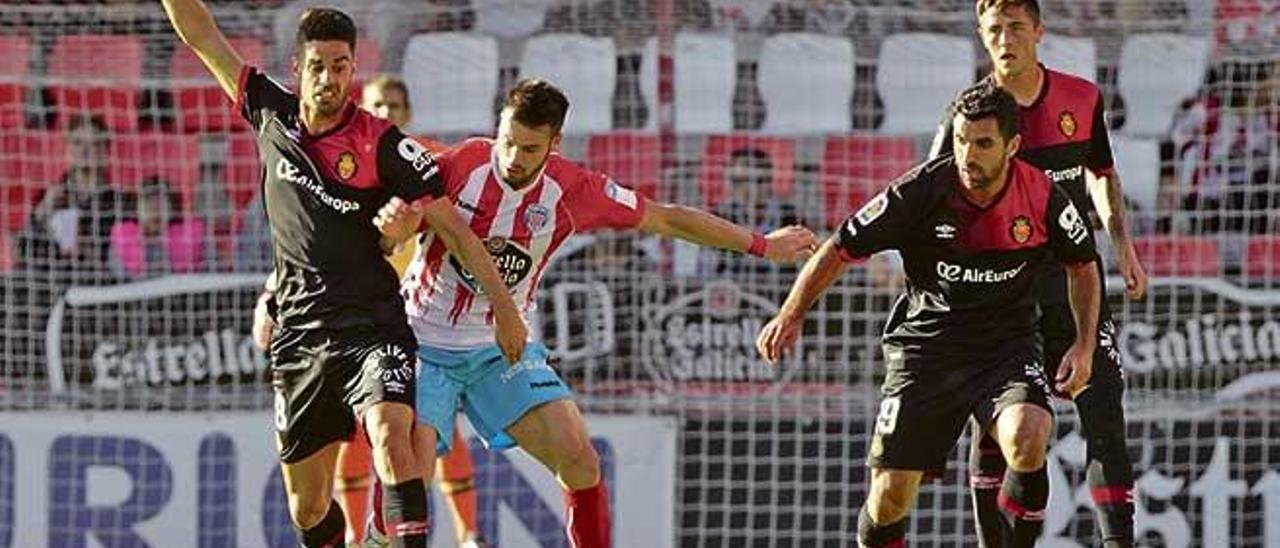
705	79
1156	73
1138	162
1072	55
917	75
585	67
509	19
452	79
806	81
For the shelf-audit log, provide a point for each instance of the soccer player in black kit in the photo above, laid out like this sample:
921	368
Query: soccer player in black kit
343	347
1064	134
972	230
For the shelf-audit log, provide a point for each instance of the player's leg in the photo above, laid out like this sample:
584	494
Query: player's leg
383	394
355	478
458	483
310	422
1100	409
882	522
556	434
986	474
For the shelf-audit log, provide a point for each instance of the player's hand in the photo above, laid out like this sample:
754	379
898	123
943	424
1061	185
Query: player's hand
398	220
1135	278
790	245
510	333
263	325
779	336
1075	370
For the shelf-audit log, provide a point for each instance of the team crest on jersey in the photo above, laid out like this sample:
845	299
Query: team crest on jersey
346	165
536	216
1021	229
1067	123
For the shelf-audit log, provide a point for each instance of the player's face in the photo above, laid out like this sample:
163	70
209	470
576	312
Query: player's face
1010	37
522	150
387	103
324	75
982	155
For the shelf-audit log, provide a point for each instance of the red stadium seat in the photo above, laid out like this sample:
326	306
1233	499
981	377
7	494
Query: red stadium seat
97	73
856	166
134	157
242	173
198	101
719	148
1179	255
30	161
1262	257
632	158
14	65
368	59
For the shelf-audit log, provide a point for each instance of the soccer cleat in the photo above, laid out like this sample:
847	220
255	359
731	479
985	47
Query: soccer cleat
475	543
372	538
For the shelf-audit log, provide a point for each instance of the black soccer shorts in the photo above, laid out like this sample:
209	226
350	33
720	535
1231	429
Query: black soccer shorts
926	403
324	379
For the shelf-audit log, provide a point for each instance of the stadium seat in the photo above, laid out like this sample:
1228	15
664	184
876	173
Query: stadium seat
453	81
917	75
99	74
1190	256
705	72
806	82
175	158
1077	56
368	59
1138	162
1156	73
199	103
856	166
718	150
507	19
14	66
632	158
1262	258
242	173
585	67
30	161
6	252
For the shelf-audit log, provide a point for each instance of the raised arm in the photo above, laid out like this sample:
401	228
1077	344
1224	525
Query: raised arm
785	245
195	26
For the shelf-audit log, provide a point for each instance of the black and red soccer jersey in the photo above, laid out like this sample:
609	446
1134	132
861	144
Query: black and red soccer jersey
1064	132
321	193
971	270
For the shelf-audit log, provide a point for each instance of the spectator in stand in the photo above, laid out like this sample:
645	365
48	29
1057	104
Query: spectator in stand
159	239
750	203
68	230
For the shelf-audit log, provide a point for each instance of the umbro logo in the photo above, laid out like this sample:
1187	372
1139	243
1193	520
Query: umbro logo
945	231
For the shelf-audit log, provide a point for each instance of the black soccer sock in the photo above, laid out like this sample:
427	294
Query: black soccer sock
404	513
329	533
870	535
986	474
1109	472
1022	500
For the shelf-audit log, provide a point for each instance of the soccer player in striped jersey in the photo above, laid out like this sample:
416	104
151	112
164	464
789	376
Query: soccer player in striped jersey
1064	134
524	200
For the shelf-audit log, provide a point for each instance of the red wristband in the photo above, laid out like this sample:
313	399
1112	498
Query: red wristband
758	245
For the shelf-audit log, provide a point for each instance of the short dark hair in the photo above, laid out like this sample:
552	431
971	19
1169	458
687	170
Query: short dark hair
986	99
94	121
535	102
390	81
324	24
1032	6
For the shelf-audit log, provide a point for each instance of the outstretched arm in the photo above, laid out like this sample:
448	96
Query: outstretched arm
786	245
195	26
818	274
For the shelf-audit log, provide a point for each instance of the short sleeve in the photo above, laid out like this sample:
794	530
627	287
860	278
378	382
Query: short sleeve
941	143
602	203
407	168
1099	159
1070	239
882	223
259	98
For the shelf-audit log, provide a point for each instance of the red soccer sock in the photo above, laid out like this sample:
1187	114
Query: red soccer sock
587	514
378	524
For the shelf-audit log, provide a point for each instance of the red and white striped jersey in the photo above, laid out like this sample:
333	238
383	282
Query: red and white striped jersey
521	229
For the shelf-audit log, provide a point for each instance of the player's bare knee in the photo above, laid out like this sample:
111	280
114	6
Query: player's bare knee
1026	442
389	436
892	495
307	512
580	467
